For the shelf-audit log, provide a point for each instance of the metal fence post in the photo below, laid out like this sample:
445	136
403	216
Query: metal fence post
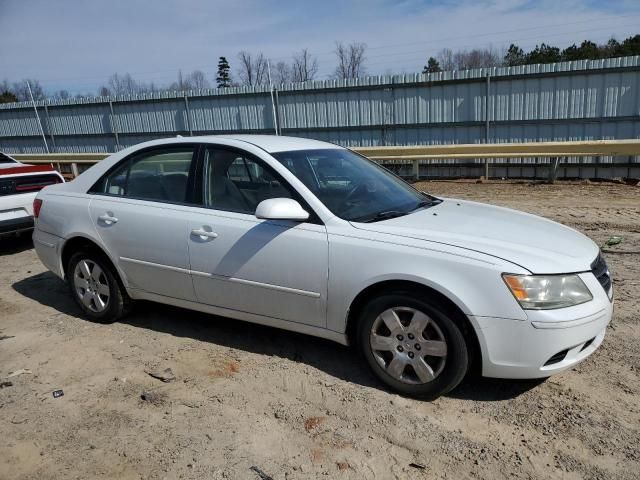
186	105
114	129
49	127
278	119
486	124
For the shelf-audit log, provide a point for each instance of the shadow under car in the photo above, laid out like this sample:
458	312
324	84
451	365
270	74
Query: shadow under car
334	359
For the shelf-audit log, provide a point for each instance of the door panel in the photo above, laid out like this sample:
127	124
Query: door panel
272	268
139	212
149	241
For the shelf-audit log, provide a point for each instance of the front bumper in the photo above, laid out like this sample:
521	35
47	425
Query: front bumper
548	342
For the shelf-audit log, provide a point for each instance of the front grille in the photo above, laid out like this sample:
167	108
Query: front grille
26	184
601	272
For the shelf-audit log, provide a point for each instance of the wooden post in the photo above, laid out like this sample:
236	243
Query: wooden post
553	169
416	169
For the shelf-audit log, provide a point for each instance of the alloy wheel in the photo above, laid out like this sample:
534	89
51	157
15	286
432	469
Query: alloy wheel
91	285
409	345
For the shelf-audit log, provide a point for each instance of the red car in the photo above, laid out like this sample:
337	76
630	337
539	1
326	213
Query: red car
19	184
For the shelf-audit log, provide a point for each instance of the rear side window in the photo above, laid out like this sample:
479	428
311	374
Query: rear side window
6	159
160	175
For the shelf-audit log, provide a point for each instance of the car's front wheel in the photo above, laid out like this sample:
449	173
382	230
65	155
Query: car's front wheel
412	345
95	287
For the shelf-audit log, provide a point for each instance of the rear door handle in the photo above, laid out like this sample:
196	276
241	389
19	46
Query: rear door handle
108	219
201	232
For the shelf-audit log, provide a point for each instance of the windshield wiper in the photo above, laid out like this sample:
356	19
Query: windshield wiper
387	214
422	204
426	203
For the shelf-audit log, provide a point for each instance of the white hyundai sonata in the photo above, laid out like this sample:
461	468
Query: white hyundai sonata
309	236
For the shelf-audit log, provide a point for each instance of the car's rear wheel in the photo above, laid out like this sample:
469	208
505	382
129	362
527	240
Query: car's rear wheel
95	287
412	345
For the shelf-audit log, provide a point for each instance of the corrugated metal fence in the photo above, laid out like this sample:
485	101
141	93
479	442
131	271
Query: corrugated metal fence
583	100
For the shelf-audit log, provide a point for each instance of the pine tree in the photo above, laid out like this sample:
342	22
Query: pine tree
432	66
515	56
543	53
7	97
224	78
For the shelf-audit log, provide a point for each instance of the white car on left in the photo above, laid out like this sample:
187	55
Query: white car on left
19	184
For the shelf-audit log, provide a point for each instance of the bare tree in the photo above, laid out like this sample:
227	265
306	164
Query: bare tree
350	60
198	80
122	84
281	73
477	58
466	59
21	90
183	84
305	66
61	95
253	69
104	91
445	59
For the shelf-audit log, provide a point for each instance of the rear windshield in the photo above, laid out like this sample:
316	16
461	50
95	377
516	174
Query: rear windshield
5	159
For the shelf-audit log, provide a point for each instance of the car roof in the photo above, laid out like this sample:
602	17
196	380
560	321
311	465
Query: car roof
272	143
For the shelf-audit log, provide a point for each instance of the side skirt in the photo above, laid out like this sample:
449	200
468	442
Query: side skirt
340	338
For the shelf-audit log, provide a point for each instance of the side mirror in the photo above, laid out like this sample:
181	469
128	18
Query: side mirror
281	209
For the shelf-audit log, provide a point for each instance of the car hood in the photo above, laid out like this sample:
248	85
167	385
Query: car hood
534	243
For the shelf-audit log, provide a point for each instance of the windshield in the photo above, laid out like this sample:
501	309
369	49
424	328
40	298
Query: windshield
351	186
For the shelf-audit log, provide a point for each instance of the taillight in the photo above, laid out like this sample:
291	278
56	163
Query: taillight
37	205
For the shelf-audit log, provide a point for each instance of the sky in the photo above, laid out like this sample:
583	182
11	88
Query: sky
77	44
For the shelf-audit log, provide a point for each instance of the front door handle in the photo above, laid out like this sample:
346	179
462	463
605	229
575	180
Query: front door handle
202	233
108	218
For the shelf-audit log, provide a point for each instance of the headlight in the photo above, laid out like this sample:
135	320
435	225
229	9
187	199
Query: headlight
545	292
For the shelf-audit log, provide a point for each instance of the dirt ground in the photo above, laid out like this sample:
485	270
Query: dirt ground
251	402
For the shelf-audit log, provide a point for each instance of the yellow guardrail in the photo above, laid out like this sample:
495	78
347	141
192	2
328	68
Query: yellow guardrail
506	150
64	158
415	154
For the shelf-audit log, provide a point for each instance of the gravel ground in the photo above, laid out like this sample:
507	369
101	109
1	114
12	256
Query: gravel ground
251	402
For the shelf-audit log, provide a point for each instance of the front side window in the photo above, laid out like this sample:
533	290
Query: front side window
236	182
351	186
157	175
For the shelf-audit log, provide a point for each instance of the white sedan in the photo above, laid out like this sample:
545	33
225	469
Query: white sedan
308	236
19	184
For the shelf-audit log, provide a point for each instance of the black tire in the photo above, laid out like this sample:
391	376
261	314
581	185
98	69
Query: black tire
117	304
451	368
